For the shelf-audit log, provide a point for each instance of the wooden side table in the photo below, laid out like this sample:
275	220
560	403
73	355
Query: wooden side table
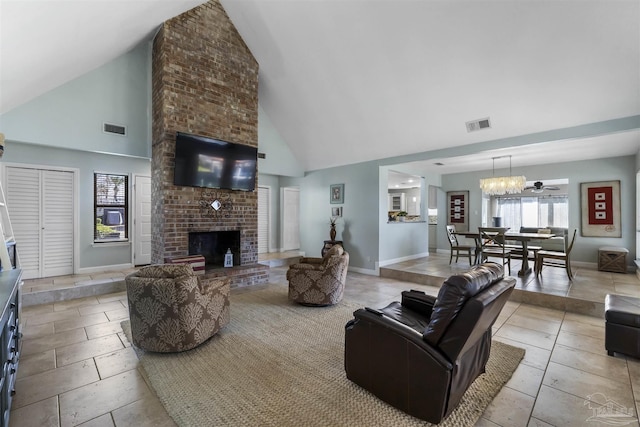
611	258
328	244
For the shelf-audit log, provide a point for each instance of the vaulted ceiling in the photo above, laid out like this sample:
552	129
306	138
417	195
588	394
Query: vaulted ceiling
346	81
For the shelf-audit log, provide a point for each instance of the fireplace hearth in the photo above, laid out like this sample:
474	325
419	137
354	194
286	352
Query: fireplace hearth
213	246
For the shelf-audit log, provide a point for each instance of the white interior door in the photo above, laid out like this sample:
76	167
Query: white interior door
142	220
290	218
41	206
264	207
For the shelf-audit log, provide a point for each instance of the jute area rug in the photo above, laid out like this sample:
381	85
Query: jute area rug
282	364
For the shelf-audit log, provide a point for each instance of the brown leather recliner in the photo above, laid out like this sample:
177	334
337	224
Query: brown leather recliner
422	354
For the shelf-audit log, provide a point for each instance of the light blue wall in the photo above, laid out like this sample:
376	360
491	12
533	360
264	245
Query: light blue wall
586	248
279	158
72	115
90	255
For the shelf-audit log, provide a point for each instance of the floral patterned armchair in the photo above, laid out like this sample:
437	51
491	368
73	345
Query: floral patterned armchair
319	281
171	309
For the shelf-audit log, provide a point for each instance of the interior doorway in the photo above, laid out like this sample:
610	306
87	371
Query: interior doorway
290	218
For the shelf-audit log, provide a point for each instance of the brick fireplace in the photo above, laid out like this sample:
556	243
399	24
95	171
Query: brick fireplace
204	82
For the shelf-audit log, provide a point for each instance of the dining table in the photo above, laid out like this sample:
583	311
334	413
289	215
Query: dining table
525	238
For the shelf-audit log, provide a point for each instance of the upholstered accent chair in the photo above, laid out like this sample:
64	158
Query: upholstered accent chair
171	309
319	281
421	354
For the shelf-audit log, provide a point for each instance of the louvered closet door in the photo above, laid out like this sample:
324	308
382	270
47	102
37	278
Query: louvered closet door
40	204
22	190
263	219
57	220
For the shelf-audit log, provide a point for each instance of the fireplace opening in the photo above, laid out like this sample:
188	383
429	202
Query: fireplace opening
213	246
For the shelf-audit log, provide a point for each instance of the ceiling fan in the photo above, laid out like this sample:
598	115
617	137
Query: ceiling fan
539	187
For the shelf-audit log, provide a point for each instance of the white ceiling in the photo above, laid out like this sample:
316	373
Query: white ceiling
346	81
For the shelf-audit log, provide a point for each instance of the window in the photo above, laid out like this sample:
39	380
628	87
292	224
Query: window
111	207
548	211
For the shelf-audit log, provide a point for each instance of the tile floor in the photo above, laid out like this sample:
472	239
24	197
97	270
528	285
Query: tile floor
77	368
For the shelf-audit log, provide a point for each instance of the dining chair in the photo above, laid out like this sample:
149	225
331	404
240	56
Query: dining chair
556	258
456	247
492	245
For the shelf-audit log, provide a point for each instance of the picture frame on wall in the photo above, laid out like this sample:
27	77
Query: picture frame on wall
336	212
458	209
600	209
336	193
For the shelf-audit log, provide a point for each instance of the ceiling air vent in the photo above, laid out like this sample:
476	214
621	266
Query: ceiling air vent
475	125
111	128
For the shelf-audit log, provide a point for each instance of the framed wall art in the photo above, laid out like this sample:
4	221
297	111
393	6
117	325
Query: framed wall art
336	212
458	209
336	193
600	209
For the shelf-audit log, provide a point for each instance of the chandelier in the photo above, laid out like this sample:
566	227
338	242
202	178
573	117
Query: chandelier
497	185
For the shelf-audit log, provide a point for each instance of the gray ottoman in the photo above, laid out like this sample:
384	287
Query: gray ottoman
622	325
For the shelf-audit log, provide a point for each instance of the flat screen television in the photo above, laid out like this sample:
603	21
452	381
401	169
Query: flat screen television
213	163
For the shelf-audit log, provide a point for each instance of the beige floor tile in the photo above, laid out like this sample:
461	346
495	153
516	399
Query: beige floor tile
582	342
119	314
50	383
39	319
483	422
87	349
116	362
581	328
116	296
37	331
74	303
509	408
103	329
36	363
98	398
80	322
146	412
535	357
108	306
534	422
48	342
603	365
581	318
101	421
124	340
564	409
527	336
39	414
540	312
542	325
584	384
37	309
526	379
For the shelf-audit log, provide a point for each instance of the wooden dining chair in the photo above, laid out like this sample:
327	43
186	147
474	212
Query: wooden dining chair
456	247
556	258
492	241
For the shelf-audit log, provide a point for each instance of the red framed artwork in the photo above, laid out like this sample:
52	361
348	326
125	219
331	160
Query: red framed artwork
457	209
600	204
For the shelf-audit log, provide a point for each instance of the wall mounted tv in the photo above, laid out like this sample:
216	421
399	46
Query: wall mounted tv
212	163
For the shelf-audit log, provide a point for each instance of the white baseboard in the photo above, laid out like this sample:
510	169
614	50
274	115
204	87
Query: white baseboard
366	271
401	259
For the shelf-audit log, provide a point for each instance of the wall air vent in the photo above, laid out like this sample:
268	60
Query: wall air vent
111	128
479	124
262	156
